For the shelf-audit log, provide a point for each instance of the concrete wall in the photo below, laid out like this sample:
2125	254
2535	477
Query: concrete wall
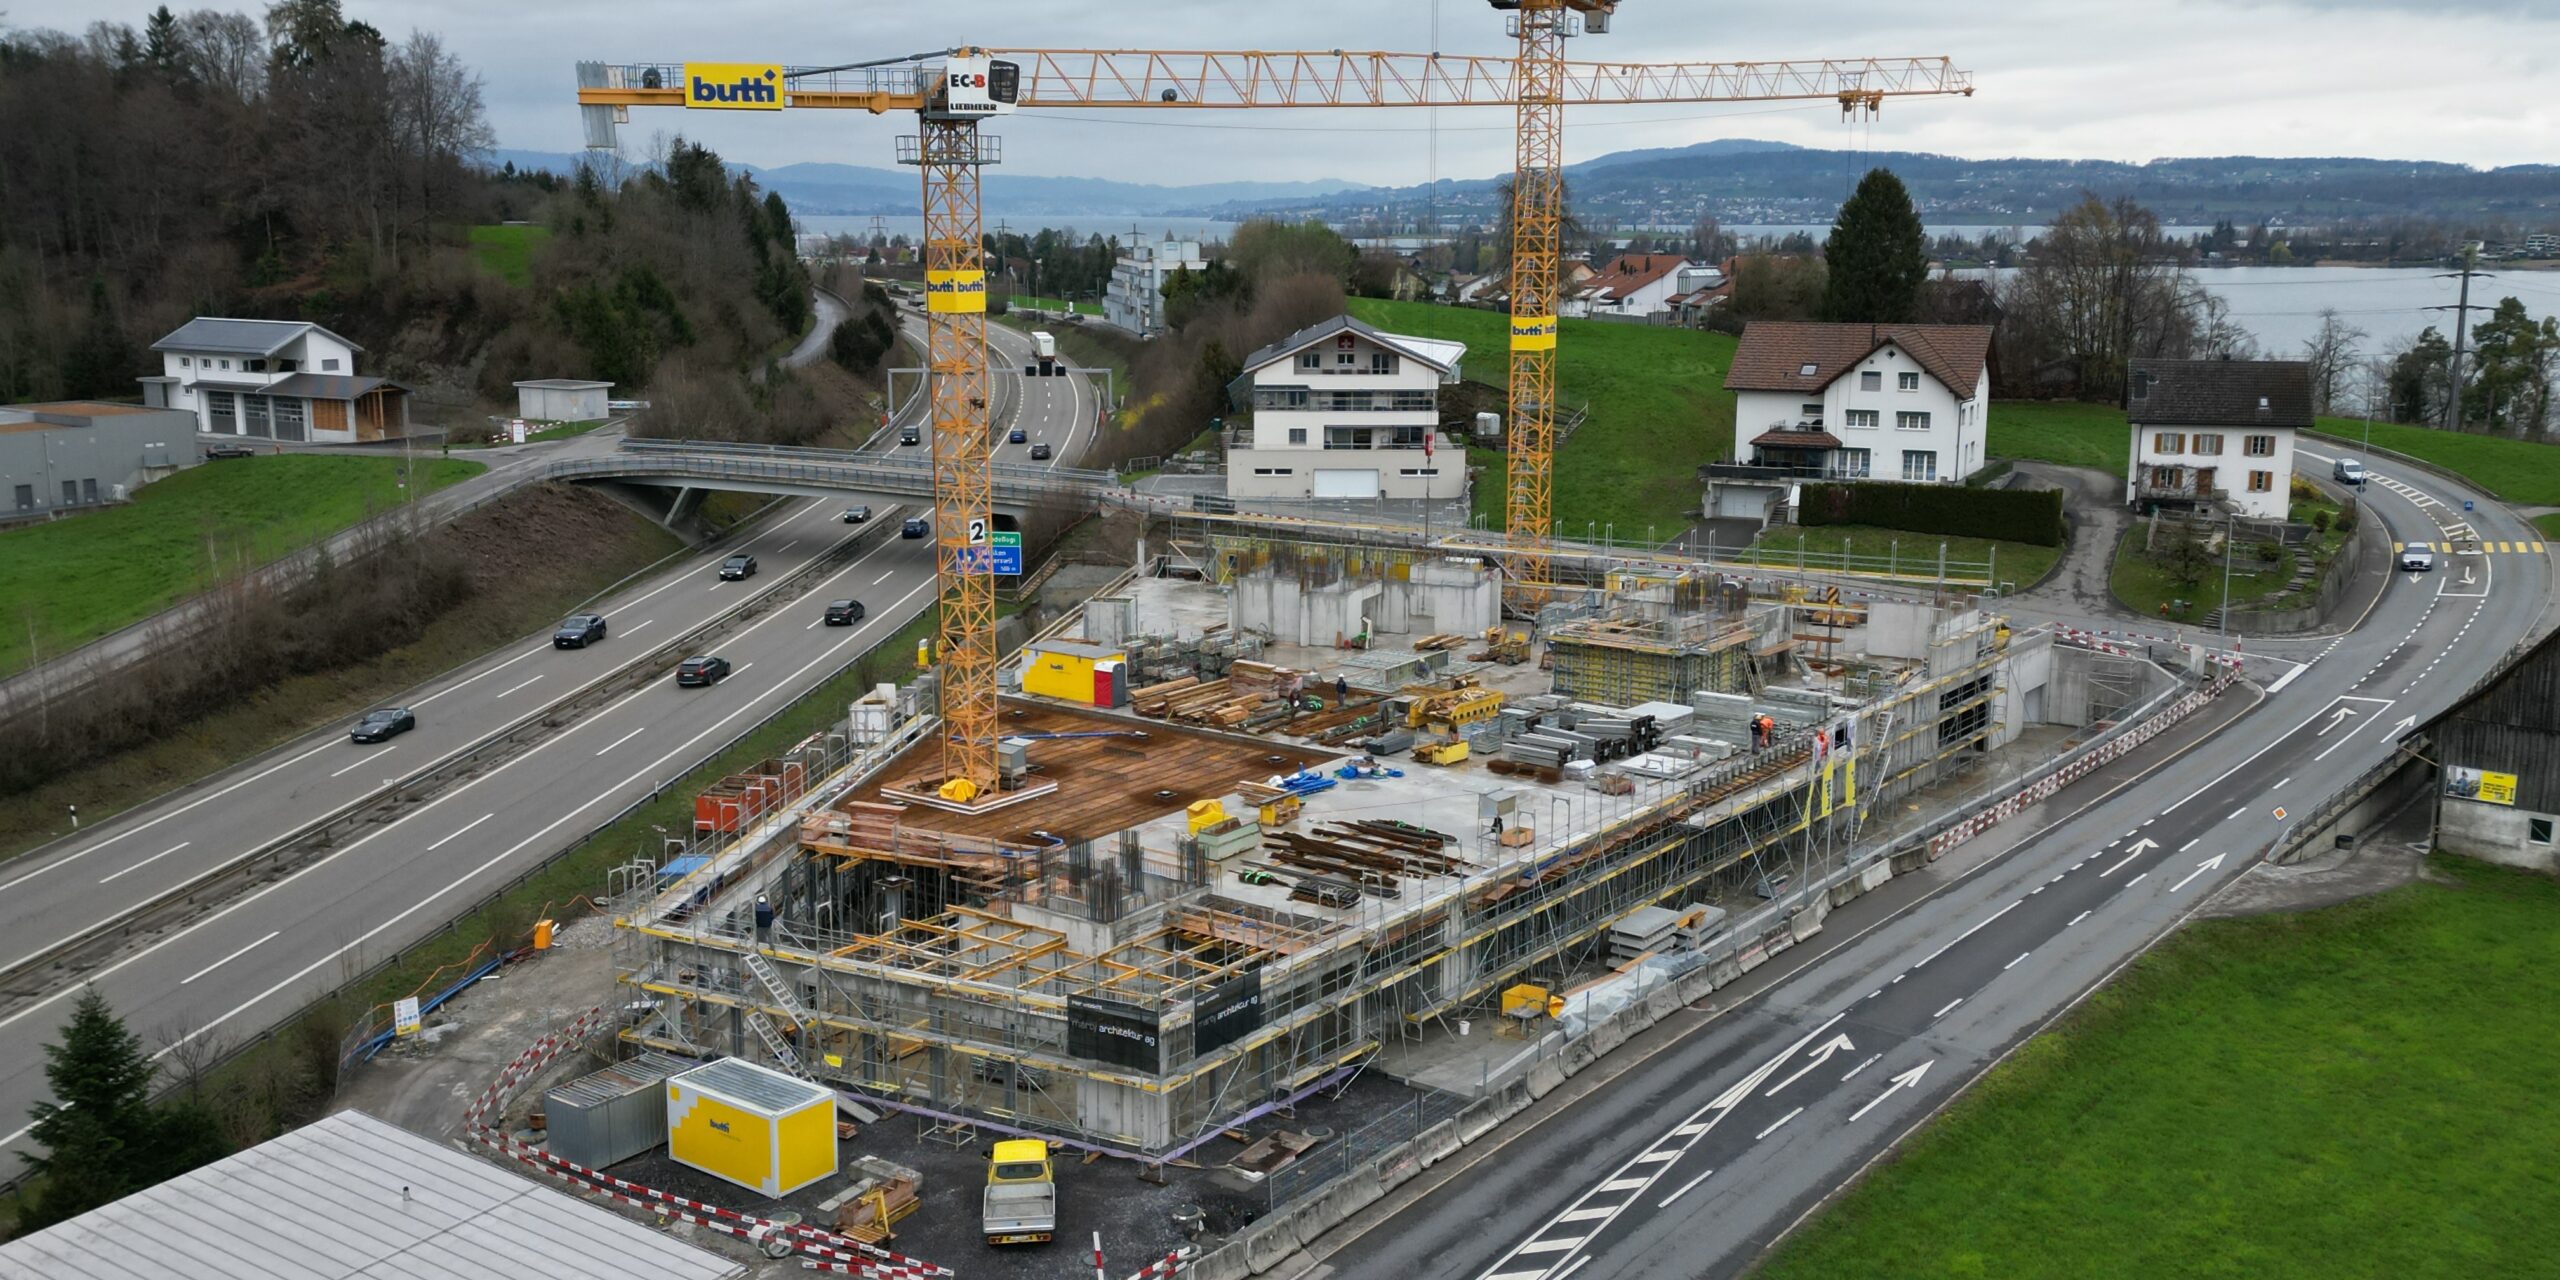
2082	687
2496	833
115	451
1436	595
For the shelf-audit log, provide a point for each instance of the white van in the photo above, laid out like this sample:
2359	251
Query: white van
2347	471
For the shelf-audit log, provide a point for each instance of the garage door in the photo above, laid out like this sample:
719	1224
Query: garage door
1346	484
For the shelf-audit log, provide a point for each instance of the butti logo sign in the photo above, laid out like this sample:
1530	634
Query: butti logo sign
1533	333
733	86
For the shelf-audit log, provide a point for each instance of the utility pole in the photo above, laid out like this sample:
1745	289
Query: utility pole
2461	329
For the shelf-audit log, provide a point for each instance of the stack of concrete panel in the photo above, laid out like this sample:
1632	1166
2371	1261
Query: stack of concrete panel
1700	922
1641	930
1721	715
1669	717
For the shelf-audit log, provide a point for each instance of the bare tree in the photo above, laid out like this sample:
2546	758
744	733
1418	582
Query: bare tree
435	116
225	52
2332	354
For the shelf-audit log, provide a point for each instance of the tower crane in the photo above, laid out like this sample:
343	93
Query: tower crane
953	92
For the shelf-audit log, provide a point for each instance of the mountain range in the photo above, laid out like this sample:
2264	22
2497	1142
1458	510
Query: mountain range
822	188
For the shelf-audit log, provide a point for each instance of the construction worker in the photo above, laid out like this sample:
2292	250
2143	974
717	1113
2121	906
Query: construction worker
1341	690
764	919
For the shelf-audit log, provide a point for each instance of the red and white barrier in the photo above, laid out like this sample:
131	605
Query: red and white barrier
1172	1264
827	1250
2043	789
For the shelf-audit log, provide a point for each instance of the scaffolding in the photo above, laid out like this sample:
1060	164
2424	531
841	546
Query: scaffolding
1625	661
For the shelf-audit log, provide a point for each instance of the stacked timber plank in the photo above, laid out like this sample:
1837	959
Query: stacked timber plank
1251	694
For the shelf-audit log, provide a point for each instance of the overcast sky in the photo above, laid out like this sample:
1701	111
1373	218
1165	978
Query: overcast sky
2473	81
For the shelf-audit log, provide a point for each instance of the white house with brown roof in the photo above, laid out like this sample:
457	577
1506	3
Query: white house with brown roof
273	380
2208	432
1858	401
1343	410
1632	285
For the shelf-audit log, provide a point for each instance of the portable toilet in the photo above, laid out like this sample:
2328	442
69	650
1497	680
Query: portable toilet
1111	683
752	1125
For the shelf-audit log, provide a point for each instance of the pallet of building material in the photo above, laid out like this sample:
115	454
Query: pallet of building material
1151	700
1442	640
1324	892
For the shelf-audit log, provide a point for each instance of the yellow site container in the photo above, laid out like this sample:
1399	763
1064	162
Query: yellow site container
1064	669
752	1125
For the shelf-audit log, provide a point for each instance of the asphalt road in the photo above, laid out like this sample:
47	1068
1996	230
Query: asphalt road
1692	1162
261	958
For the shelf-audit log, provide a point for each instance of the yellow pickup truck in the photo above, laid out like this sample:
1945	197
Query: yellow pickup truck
1021	1205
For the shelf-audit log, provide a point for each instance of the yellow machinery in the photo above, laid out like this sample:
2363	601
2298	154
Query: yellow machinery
1510	648
953	92
1443	751
1468	703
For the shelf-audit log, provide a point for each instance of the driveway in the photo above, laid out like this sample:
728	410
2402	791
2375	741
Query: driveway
2094	503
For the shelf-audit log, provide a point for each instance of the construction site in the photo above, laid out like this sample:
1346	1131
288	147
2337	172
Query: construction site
1242	868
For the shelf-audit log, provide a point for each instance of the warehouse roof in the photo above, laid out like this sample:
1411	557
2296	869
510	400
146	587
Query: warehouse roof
353	1198
563	384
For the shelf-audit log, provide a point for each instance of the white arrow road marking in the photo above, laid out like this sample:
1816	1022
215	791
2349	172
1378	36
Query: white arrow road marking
2406	724
2140	847
2201	867
1822	1055
2337	718
1900	1082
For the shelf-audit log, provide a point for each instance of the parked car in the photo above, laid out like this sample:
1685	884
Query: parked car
916	527
1017	436
856	515
695	672
737	567
843	613
2347	471
389	722
579	631
1040	453
213	451
2417	560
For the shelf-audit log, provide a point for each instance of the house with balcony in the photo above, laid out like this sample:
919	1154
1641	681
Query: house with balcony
1851	402
287	380
1343	410
2215	434
1134	300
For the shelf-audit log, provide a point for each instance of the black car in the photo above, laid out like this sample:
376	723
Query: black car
843	613
856	515
579	631
916	527
696	672
1039	453
736	567
229	451
1017	437
383	724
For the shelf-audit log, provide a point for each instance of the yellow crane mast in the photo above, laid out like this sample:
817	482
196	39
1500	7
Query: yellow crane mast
953	92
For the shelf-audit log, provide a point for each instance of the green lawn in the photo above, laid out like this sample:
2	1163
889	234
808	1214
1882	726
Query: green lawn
1029	302
2074	435
1658	410
2515	470
506	251
2359	1091
2144	585
1877	550
2549	524
70	581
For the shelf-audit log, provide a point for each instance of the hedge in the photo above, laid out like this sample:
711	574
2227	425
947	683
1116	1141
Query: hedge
2011	515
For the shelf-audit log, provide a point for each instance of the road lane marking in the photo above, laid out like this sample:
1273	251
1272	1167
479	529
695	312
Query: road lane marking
1685	1188
2014	963
2075	919
148	861
1552	1246
2279	783
624	738
1872	1059
1624	1184
2137	880
459	834
1970	932
637	625
1587	1214
2236	812
1949	1008
178	812
2119	866
882	578
512	689
369	758
2190	844
1782	1120
475	678
271	936
1657	1157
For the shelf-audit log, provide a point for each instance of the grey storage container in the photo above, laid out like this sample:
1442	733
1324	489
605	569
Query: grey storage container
609	1116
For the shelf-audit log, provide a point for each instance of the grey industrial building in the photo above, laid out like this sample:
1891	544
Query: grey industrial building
2497	762
73	454
563	400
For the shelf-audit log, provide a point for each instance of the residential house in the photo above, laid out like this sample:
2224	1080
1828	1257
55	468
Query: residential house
1135	298
2216	432
83	453
1342	410
1633	285
1850	402
273	380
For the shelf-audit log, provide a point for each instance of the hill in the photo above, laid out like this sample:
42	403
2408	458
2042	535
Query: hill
815	187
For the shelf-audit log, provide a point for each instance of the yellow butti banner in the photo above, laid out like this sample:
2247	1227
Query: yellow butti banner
733	86
1533	333
955	291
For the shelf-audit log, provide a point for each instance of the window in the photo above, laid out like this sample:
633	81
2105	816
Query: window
1919	464
2168	442
1347	437
1855	464
226	363
1310	360
329	364
1382	362
254	366
1418	471
26	497
1911	421
1871	380
2262	482
2538	830
1810	412
2208	446
183	362
1274	471
1806	370
70	492
2262	446
2164	477
288	366
1346	359
88	491
1863	419
1907	381
1297	435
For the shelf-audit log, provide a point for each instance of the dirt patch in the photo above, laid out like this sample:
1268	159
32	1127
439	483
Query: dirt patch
2382	859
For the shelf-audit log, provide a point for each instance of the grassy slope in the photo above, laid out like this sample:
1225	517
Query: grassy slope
521	589
2075	435
2549	524
202	525
1658	410
507	251
2143	585
2358	1091
1916	553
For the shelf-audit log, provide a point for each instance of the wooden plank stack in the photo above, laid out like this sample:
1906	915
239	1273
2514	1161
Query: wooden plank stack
1250	691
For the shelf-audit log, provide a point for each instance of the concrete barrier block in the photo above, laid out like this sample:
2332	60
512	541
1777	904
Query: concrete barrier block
1480	1119
1350	1196
1725	970
1904	864
1876	874
1543	1079
1269	1241
1607	1036
1663	1001
1397	1168
1845	892
1750	958
1698	984
1226	1262
1314	1218
1578	1054
1438	1143
1634	1018
1808	922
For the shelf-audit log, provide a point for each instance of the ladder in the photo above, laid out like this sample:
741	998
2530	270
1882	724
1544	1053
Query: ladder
788	1001
775	1044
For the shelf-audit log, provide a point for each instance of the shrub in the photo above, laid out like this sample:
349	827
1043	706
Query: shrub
2011	515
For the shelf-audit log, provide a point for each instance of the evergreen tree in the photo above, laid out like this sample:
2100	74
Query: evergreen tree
97	1135
97	361
1878	256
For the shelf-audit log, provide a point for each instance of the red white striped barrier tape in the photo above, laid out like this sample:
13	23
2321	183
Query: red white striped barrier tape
2043	789
1172	1264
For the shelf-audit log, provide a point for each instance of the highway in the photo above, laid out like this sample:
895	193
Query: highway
261	957
1692	1162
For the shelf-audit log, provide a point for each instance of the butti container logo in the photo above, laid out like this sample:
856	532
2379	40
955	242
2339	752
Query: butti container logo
733	86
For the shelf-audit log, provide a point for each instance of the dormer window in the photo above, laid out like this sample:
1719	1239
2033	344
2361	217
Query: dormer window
2142	385
1808	370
